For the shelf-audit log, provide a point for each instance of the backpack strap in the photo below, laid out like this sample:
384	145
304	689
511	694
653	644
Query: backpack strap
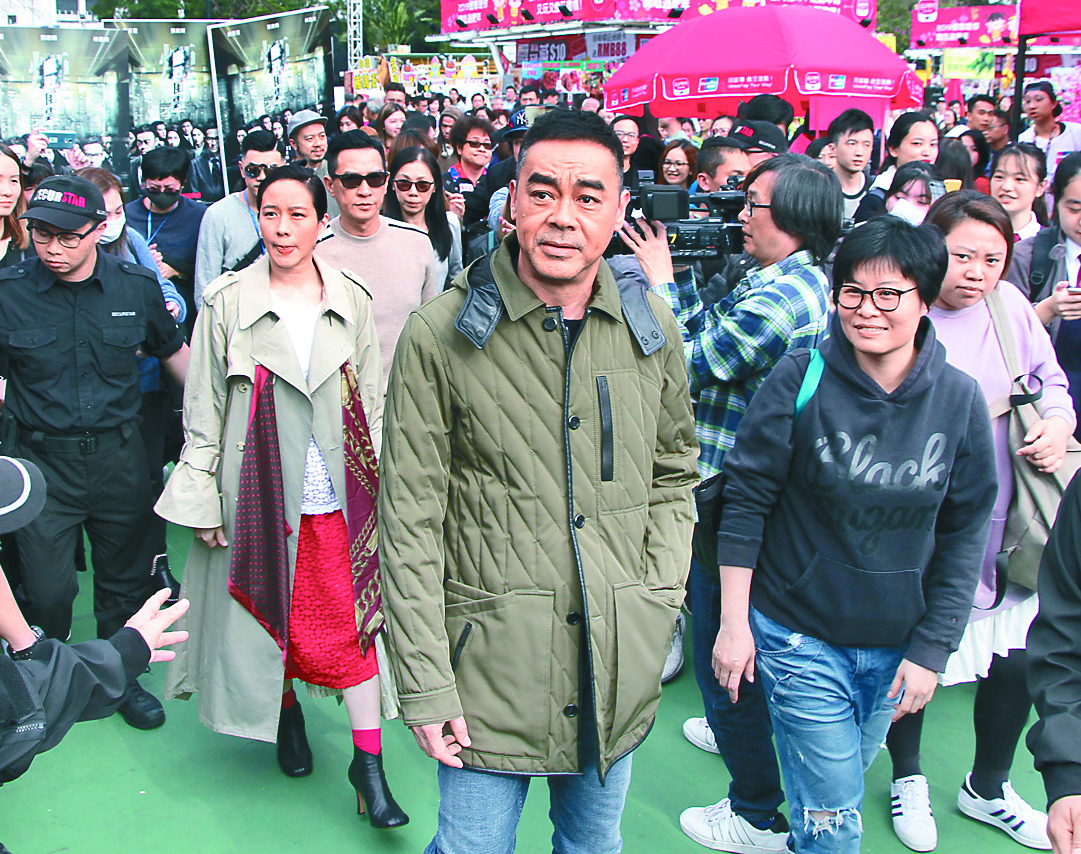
811	378
1042	262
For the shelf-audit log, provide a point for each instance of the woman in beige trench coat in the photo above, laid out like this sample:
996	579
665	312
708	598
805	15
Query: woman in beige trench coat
284	362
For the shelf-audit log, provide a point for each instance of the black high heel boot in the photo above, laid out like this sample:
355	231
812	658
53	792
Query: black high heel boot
294	754
366	776
163	577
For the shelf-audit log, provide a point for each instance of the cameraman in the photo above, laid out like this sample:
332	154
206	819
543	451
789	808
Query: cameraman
721	158
791	220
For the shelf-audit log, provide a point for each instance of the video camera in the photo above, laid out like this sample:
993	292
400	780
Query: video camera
716	234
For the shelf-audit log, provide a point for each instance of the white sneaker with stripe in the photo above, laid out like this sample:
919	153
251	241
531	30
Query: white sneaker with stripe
1010	813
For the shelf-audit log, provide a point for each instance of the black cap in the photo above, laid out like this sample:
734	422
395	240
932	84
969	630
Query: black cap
758	134
66	201
1046	87
22	493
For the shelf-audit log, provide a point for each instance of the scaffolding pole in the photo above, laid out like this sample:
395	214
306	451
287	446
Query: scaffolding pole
354	23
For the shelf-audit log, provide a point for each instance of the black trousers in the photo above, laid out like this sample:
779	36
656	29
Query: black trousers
108	494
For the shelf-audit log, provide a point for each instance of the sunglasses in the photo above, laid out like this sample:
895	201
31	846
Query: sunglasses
405	185
473	143
254	170
351	180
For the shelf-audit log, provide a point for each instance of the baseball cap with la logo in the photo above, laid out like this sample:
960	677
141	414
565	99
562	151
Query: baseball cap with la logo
67	202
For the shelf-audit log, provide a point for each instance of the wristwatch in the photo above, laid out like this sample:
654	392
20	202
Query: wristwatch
28	653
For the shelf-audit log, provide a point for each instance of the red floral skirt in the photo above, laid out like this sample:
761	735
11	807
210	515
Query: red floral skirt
324	645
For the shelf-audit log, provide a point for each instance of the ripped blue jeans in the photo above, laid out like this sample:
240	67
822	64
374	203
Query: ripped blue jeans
830	716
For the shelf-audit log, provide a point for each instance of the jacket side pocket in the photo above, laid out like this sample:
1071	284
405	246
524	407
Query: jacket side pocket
463	639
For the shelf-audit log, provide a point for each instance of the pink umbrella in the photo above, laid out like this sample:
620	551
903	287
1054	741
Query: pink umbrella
813	59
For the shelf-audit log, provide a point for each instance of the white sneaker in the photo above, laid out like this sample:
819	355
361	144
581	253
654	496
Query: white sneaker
913	820
673	664
1023	822
719	828
698	733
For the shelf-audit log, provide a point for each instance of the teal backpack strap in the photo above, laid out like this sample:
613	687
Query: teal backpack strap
810	382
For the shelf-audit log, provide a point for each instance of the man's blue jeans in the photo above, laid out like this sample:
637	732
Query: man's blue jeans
479	811
830	715
743	732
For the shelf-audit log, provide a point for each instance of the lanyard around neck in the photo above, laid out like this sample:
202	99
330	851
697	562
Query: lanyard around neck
149	213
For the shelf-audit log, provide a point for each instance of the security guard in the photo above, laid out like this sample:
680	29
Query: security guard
70	323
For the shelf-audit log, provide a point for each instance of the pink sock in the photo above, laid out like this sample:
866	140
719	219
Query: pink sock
368	740
288	698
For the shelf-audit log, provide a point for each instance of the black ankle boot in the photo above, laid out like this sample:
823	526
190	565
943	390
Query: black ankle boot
164	578
366	775
294	754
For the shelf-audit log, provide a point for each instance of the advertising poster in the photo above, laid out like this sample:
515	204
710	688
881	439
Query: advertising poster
170	71
62	80
459	15
980	26
1066	79
965	63
267	65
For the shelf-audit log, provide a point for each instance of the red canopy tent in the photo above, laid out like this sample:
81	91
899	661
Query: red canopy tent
707	65
1041	18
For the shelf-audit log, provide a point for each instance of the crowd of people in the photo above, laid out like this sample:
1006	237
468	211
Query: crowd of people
440	434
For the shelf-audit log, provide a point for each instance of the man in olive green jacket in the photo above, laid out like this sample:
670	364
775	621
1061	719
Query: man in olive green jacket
536	510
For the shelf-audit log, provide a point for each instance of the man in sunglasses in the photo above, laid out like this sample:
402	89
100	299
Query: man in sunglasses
71	321
229	236
395	260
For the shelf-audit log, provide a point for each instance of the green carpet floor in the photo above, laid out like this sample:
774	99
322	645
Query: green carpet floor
109	789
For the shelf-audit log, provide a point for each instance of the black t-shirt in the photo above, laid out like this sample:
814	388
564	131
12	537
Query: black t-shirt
68	349
174	233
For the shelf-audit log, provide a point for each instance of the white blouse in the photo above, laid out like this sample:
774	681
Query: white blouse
318	496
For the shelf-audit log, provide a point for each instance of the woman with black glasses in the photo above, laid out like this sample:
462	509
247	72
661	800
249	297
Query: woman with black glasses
418	200
856	510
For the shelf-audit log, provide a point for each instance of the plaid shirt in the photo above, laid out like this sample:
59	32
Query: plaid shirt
733	345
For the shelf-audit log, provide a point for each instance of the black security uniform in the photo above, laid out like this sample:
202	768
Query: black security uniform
68	352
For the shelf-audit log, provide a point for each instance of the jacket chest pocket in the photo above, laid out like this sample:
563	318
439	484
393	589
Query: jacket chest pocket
118	352
625	433
34	353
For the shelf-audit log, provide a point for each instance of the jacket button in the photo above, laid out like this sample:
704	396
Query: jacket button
549	324
579	521
573	422
574	618
242	387
570	710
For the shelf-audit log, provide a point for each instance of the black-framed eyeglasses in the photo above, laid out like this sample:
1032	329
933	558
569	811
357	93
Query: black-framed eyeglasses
405	185
351	180
626	134
751	207
254	170
67	239
476	143
884	299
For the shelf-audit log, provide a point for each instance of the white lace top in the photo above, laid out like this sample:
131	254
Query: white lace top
318	496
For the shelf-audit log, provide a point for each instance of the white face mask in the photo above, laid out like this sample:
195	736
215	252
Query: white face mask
113	229
909	212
